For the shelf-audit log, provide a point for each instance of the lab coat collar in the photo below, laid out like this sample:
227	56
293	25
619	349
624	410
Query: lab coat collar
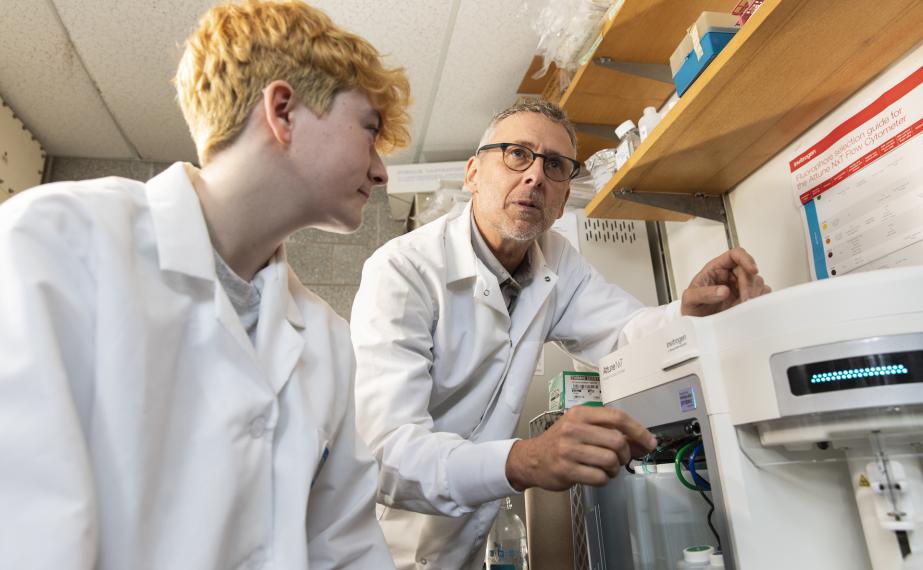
183	243
461	262
278	344
292	314
534	294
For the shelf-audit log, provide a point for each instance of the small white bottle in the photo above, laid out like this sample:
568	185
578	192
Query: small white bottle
629	140
506	543
647	122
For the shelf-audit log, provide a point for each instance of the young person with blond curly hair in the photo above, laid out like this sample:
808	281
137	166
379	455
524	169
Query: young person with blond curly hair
170	395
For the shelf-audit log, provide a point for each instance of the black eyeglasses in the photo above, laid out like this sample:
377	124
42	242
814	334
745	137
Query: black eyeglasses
519	158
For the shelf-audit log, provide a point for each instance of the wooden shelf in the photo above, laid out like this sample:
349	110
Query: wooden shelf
536	86
642	31
791	64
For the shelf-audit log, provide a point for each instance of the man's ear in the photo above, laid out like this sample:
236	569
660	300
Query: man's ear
564	203
471	172
278	104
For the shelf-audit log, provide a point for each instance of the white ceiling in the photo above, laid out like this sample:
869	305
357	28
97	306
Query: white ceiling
91	78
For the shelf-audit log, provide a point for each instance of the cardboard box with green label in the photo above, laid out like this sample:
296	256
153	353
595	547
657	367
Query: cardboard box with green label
569	389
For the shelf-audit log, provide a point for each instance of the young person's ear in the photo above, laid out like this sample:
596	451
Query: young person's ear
278	104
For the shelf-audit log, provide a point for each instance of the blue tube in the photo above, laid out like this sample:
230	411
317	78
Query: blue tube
705	485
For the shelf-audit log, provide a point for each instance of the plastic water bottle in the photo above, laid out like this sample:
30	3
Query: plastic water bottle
629	140
506	543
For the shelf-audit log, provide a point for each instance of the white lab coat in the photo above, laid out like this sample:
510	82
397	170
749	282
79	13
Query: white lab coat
442	375
139	427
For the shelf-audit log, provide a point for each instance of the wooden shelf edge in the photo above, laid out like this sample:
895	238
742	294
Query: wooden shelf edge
606	205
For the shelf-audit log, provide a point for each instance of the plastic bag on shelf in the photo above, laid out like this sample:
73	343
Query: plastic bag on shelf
566	29
602	165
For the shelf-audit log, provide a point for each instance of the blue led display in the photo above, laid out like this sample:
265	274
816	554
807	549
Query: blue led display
854	373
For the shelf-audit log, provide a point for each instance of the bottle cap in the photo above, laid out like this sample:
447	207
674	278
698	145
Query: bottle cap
623	129
650	111
701	553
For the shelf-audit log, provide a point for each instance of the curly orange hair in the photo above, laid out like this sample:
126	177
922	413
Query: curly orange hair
238	49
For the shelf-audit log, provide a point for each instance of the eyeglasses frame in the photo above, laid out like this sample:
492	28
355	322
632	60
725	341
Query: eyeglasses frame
503	146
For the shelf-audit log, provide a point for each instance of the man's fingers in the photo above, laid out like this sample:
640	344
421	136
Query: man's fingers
733	259
740	258
611	441
608	460
707	295
614	419
638	451
586	475
744	281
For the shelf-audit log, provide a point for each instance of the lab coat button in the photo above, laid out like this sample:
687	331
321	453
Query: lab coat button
258	427
547	279
486	292
423	561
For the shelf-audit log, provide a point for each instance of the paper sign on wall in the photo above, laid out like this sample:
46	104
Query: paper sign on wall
861	186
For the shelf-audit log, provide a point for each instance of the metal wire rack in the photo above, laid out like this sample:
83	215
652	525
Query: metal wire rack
537	426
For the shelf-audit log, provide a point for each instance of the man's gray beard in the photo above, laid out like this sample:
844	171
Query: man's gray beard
531	234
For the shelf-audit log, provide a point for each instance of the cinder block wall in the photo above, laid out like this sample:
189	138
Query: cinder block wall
328	264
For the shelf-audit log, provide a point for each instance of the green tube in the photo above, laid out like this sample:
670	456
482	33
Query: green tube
678	462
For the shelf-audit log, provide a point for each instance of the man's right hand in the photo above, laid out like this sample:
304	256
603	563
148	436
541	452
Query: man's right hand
586	445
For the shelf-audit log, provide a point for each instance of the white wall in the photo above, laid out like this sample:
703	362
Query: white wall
768	218
691	245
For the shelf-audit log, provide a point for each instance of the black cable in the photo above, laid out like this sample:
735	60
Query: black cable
629	468
711	511
903	541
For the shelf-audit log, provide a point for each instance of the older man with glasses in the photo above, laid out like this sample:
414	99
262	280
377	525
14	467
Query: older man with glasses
448	325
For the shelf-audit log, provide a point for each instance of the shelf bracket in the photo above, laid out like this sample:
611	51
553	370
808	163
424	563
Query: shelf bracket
602	131
655	71
701	205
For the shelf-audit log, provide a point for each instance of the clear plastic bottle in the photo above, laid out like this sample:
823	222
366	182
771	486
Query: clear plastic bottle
629	140
506	543
647	122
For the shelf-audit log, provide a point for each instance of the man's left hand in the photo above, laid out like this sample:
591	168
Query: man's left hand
725	281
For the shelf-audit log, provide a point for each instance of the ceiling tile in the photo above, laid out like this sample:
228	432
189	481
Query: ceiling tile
490	50
133	52
410	34
131	49
44	83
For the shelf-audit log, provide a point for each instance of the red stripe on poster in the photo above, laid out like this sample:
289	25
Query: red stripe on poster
887	98
866	159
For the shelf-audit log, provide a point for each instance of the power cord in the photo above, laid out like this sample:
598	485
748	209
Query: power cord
702	486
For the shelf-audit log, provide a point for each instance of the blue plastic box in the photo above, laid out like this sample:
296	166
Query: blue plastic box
693	66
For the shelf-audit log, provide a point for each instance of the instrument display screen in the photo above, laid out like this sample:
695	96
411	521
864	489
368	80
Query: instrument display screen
856	372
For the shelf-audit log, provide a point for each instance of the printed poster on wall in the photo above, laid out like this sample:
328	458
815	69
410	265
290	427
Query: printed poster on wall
861	186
